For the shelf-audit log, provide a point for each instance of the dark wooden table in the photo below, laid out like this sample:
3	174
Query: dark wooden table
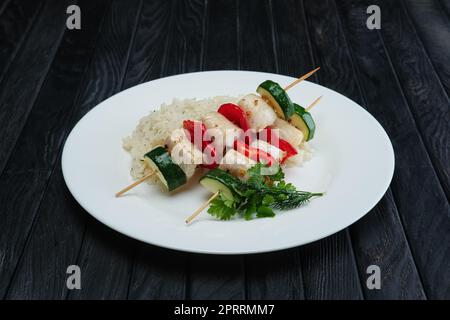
51	76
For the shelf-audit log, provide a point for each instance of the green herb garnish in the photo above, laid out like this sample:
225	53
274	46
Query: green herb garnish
261	193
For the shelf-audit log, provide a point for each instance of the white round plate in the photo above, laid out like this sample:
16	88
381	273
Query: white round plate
353	162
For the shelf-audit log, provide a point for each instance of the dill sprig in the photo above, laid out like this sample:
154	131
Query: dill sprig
260	194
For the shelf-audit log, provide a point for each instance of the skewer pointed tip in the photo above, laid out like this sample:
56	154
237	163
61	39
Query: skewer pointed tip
314	103
306	76
199	210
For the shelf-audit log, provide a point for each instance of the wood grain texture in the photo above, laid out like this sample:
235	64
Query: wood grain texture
3	5
373	236
16	20
329	269
23	184
108	63
446	6
52	245
105	262
255	38
276	275
215	277
432	24
221	36
147	56
28	73
105	256
158	274
379	239
421	78
185	43
421	201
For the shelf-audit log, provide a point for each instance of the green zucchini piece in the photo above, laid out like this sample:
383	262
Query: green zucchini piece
220	180
303	121
278	99
170	174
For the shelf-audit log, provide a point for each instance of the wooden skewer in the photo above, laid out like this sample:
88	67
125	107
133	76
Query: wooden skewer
134	184
314	103
197	212
306	76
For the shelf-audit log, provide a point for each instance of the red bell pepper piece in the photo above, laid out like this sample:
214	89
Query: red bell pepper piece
255	154
210	152
194	127
281	144
235	114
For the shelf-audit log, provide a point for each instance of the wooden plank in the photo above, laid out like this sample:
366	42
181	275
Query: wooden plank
256	45
421	82
109	64
105	260
276	275
15	23
373	236
221	35
433	27
446	6
27	75
379	239
329	269
23	183
146	60
3	5
105	256
186	41
215	277
424	215
159	273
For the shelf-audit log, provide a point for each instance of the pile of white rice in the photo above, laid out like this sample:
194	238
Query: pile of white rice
154	128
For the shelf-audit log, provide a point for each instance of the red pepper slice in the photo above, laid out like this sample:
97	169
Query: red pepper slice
209	152
235	114
255	154
193	128
283	145
197	126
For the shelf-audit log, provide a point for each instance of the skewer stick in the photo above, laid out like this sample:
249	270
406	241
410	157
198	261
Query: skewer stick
197	212
314	103
134	184
306	76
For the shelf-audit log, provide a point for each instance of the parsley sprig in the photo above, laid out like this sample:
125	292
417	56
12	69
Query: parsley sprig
259	195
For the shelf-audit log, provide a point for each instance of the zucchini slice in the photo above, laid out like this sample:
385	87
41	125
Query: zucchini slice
170	174
219	180
278	99
302	120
